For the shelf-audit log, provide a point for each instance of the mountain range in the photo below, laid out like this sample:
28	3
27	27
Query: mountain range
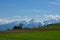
30	24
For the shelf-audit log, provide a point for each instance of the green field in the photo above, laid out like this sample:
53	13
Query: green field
52	26
40	35
46	35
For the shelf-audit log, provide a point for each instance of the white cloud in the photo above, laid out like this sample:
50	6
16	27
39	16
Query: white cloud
15	18
27	19
55	3
6	21
3	21
56	17
18	18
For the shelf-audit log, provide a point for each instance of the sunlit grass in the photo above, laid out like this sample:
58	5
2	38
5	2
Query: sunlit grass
46	35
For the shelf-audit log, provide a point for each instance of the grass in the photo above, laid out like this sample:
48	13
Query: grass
43	35
46	35
56	26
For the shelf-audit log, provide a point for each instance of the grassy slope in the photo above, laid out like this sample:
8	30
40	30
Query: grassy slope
52	26
46	35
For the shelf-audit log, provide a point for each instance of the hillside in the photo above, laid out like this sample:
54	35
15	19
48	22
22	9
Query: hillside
52	26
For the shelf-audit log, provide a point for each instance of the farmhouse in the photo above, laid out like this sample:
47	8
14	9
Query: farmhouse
17	28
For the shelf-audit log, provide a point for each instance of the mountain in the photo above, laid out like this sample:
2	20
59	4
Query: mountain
8	26
30	24
51	21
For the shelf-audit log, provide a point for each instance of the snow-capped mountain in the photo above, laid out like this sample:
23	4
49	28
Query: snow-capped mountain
30	24
51	21
8	26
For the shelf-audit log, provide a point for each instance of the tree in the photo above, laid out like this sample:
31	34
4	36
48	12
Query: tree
21	25
18	27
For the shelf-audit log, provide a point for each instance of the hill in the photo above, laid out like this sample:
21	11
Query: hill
51	26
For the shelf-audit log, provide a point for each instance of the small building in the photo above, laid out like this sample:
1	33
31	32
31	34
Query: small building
17	28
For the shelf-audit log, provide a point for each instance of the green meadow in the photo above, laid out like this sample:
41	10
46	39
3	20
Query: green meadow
46	35
52	26
41	35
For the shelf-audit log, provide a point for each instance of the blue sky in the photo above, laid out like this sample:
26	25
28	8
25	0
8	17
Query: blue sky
29	8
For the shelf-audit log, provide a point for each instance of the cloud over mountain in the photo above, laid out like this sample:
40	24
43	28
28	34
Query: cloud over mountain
27	19
51	19
56	17
28	22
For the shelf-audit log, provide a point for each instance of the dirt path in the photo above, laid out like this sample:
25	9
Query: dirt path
27	31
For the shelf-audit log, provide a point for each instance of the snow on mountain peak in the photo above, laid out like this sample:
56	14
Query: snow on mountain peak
28	22
48	18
